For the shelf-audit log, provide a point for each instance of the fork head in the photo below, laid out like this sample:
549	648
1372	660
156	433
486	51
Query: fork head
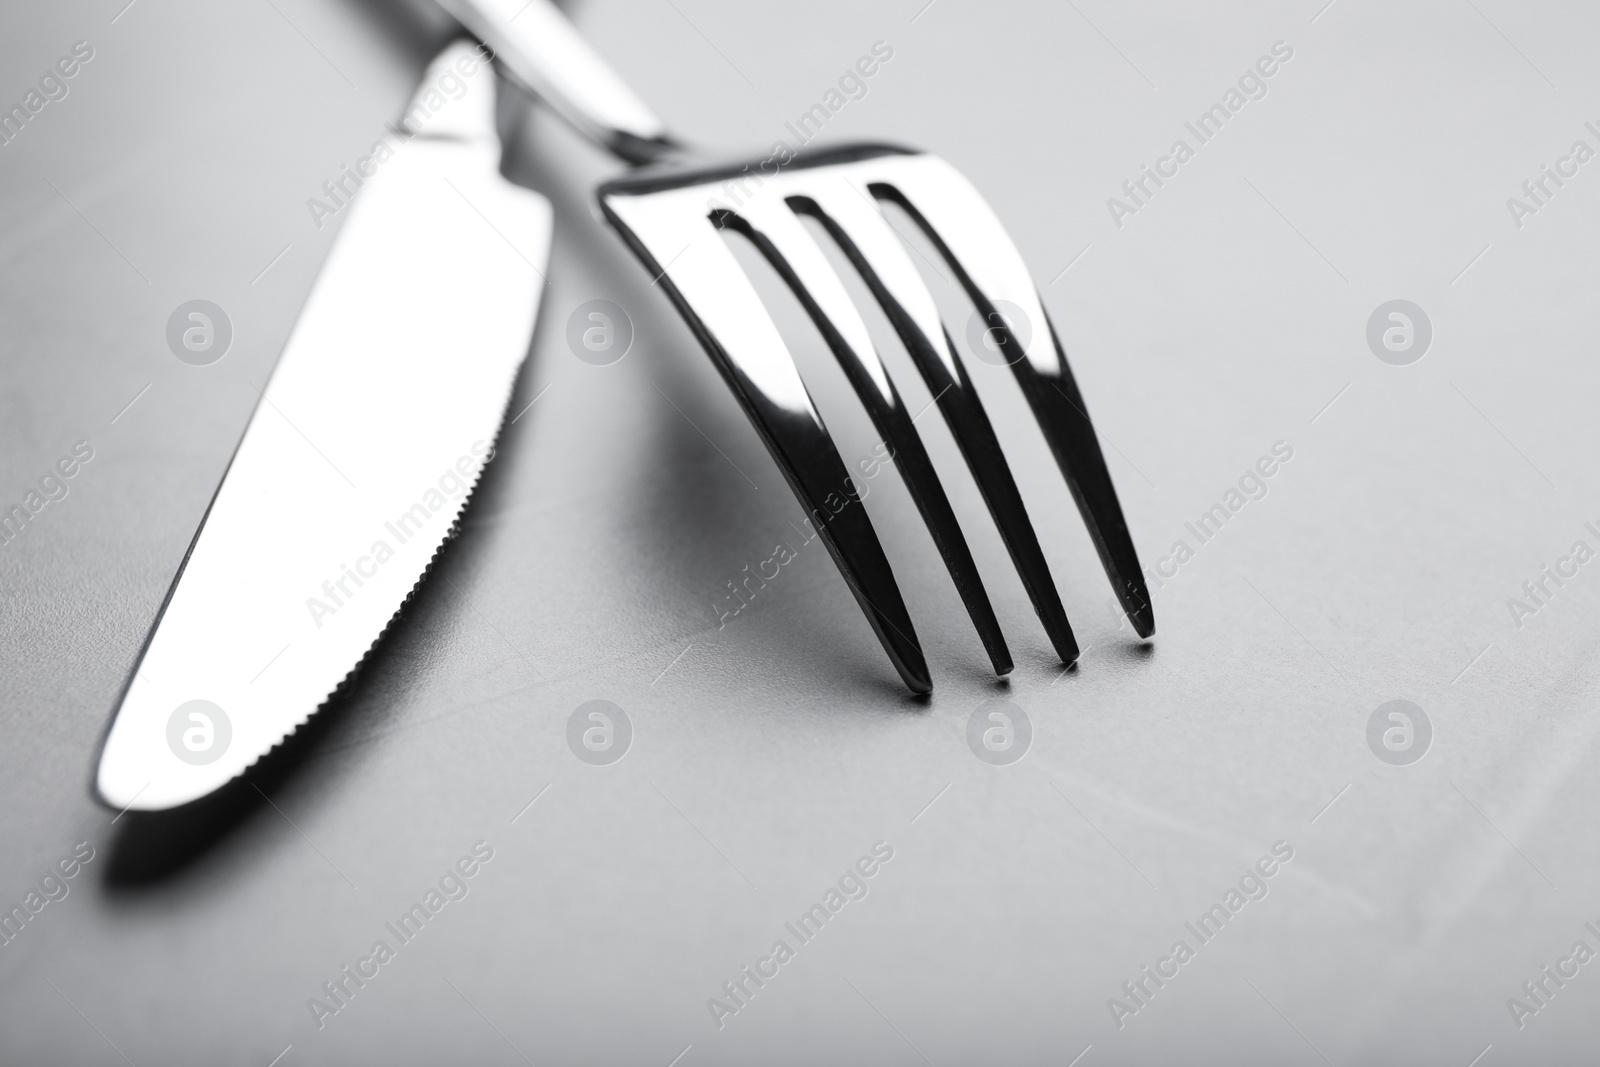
672	218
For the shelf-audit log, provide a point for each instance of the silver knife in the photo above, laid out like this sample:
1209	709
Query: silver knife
370	435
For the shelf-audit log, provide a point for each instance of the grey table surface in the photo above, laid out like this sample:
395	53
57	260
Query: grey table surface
1226	315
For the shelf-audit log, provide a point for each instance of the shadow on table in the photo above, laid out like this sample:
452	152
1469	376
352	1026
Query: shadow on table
153	846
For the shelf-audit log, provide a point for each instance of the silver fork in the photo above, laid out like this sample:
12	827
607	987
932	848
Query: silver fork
671	210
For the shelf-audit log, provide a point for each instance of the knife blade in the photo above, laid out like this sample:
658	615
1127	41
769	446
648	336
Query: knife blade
368	439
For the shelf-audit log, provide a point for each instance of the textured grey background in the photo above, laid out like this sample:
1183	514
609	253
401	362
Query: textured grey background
770	754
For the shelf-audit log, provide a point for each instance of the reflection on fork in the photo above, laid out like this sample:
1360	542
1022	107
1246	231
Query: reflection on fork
673	211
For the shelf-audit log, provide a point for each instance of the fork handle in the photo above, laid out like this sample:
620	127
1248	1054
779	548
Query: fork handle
541	48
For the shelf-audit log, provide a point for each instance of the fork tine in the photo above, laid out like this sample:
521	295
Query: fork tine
716	299
959	222
858	226
773	228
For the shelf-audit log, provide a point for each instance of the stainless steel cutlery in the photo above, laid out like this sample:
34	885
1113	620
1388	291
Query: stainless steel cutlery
383	409
368	438
672	210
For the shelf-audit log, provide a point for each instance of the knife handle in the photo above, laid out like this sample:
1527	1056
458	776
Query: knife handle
543	50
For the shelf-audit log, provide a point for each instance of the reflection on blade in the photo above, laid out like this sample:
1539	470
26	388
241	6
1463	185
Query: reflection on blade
368	439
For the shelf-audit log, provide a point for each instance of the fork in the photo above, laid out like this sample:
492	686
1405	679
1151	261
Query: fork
671	209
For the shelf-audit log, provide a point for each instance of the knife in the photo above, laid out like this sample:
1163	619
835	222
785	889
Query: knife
368	439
